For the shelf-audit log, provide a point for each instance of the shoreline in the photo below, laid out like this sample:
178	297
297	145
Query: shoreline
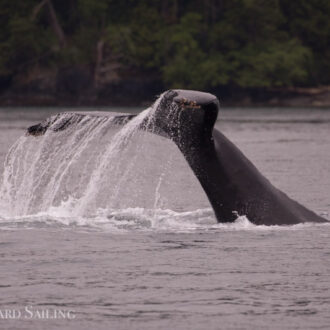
145	93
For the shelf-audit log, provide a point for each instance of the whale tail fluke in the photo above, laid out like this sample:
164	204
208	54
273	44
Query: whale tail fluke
231	182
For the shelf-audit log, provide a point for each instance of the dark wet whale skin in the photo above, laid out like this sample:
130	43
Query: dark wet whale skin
232	183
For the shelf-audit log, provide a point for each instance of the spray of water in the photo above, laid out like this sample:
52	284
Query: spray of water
101	175
98	172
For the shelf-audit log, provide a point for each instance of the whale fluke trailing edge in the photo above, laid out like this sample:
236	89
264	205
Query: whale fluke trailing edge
233	185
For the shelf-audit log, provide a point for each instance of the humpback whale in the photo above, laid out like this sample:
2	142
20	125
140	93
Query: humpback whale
233	185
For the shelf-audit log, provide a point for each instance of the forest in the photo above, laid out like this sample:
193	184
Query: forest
93	49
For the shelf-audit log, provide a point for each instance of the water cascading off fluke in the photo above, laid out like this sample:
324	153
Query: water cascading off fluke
82	162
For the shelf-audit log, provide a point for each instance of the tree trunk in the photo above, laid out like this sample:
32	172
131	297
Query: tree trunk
99	59
56	26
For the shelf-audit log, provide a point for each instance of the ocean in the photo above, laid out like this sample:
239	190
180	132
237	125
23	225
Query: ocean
102	228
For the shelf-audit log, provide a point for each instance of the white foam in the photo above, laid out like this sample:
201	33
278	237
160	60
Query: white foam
120	221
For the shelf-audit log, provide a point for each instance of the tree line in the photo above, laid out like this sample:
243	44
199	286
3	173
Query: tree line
186	44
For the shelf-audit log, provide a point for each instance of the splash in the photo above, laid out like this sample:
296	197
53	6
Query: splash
95	169
97	174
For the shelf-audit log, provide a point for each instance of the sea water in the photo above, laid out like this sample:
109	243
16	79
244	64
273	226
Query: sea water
109	224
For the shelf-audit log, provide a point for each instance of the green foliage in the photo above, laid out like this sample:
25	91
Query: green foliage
192	44
136	43
309	22
277	64
24	44
255	53
183	54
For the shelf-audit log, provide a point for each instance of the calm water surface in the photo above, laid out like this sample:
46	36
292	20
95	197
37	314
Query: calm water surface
184	271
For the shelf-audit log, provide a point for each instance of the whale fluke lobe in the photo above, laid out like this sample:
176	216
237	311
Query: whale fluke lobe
231	182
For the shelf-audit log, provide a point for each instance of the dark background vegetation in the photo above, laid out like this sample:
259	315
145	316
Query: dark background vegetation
110	51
